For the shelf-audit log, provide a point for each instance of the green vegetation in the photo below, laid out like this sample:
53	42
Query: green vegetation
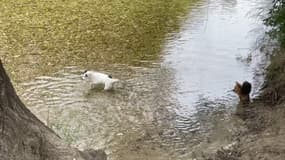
275	71
276	20
39	36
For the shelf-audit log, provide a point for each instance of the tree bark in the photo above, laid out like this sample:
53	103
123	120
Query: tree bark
24	137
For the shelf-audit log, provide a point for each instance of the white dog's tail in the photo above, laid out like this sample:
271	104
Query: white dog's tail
109	85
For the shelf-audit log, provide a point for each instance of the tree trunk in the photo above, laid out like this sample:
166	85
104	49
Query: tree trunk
24	137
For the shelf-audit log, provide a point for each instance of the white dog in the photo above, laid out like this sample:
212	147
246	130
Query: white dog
97	78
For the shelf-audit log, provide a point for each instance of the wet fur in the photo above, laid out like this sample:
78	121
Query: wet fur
97	78
243	91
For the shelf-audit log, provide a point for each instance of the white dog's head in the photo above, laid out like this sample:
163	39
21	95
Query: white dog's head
85	75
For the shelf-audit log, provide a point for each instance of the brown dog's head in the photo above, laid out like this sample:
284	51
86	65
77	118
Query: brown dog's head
237	88
243	91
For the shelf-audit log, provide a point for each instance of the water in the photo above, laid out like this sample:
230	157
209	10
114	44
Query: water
213	50
173	108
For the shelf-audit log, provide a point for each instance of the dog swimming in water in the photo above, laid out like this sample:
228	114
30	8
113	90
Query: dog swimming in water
97	78
243	91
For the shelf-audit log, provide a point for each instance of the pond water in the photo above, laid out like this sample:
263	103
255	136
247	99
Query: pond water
174	107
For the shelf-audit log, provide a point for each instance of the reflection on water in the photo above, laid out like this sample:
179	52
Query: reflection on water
174	109
213	51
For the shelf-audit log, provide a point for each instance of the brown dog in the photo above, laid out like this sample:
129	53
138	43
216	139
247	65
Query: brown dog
243	91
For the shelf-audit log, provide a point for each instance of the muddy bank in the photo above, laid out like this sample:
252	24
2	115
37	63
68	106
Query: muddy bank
264	118
23	136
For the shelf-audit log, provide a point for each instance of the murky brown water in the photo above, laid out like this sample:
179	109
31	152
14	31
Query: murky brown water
173	108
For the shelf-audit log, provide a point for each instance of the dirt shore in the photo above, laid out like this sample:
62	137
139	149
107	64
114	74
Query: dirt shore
264	118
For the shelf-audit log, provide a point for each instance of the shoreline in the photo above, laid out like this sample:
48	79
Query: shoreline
264	136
